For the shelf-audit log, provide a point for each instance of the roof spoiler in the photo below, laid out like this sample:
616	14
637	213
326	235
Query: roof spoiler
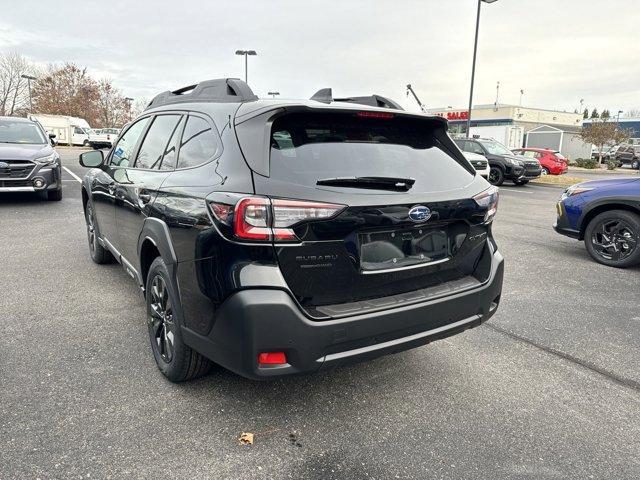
222	90
325	95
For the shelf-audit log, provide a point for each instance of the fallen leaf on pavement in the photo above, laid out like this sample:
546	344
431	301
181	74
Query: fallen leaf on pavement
246	438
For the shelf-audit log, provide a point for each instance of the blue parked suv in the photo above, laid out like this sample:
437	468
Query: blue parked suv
606	215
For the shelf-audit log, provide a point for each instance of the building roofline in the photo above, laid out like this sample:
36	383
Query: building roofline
503	105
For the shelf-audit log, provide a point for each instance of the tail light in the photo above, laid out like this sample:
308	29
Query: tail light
489	200
262	219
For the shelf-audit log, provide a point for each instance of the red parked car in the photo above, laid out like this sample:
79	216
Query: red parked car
550	160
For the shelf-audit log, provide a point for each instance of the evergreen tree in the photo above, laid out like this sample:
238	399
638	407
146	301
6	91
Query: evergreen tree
594	113
585	114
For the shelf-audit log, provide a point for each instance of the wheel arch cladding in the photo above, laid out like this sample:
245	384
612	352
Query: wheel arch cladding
605	207
155	241
85	197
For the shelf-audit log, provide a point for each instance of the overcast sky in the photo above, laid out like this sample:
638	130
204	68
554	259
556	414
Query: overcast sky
557	51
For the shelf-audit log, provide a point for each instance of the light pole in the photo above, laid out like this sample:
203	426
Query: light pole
29	78
619	112
246	54
273	94
128	100
473	66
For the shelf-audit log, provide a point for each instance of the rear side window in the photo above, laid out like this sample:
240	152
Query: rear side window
307	147
124	150
155	142
200	143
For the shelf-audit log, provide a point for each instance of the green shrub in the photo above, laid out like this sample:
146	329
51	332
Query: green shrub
612	164
587	163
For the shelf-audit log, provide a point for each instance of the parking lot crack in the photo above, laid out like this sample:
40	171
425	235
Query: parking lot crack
621	380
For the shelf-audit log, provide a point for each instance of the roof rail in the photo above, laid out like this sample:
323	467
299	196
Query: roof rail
223	90
325	95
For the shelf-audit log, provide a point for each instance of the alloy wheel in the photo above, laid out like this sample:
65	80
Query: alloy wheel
161	323
614	240
494	176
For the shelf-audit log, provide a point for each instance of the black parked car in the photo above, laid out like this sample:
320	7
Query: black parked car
628	155
277	237
503	163
28	162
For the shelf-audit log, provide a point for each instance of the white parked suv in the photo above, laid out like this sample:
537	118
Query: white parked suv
479	162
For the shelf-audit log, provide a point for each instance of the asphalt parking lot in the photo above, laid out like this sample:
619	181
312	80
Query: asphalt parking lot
548	388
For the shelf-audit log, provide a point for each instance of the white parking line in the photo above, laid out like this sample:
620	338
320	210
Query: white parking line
76	177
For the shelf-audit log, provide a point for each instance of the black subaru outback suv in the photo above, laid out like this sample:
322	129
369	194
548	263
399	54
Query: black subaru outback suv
503	163
277	237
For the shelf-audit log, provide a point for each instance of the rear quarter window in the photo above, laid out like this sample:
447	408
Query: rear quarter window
200	143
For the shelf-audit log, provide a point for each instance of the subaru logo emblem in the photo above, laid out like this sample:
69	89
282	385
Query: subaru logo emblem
3	165
420	213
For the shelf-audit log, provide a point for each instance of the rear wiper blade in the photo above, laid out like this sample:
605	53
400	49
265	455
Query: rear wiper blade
377	183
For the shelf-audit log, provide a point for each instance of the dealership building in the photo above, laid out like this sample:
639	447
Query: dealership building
518	126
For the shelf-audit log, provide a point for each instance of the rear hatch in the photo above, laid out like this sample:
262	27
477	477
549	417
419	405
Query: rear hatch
405	218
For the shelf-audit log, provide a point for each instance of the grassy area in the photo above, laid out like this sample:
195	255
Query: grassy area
561	180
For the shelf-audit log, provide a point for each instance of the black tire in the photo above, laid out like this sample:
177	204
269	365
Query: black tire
174	358
85	143
496	176
613	238
545	171
55	195
635	164
520	182
99	254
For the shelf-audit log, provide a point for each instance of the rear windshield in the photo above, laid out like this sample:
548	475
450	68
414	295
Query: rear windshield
308	147
16	131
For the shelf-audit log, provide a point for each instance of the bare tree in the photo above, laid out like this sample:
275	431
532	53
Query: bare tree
632	112
600	133
112	107
14	93
138	107
67	90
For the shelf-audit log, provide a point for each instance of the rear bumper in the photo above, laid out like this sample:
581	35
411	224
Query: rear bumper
98	144
253	321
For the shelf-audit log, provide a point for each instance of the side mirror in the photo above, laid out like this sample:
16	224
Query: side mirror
52	139
92	159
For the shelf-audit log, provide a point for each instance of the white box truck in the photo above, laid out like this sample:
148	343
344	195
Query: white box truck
68	130
511	136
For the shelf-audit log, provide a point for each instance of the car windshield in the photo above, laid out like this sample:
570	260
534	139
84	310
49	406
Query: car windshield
13	131
495	148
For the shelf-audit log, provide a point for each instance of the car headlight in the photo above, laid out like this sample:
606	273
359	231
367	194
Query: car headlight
515	162
48	160
576	189
489	200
